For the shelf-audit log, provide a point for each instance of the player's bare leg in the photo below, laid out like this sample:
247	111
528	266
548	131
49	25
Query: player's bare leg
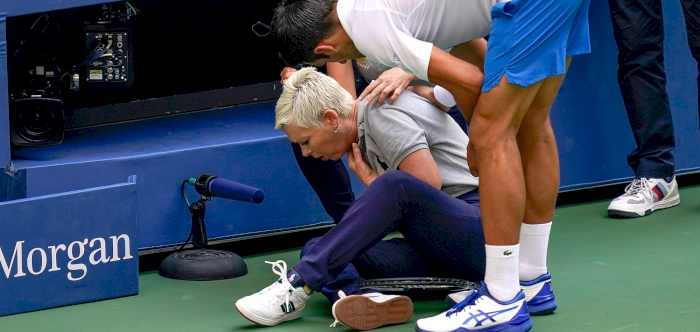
539	154
538	150
493	137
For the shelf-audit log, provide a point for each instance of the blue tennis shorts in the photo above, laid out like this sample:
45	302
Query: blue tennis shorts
531	39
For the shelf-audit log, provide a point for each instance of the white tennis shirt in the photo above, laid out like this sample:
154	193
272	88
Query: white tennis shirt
401	33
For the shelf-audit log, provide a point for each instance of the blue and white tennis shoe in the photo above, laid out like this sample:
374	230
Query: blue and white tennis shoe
481	312
539	296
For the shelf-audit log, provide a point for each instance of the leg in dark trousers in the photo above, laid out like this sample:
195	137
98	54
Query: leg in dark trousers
392	258
434	224
330	181
639	33
691	11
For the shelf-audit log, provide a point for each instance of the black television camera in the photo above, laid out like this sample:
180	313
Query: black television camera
46	73
36	113
36	109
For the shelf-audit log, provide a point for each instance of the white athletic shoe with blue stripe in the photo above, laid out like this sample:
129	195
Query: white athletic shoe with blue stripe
644	196
481	312
539	296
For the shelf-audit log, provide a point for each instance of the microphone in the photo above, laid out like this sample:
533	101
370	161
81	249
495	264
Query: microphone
212	186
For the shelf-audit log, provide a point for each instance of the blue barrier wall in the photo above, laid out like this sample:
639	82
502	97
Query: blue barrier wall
589	118
239	144
68	248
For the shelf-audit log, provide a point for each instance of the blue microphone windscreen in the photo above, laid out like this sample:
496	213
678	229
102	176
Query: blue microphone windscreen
233	190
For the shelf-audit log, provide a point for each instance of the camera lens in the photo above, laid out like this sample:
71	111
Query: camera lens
38	120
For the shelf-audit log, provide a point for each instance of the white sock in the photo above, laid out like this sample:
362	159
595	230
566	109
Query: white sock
534	240
501	276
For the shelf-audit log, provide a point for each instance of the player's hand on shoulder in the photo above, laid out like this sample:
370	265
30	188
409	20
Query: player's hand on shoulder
427	93
389	84
286	73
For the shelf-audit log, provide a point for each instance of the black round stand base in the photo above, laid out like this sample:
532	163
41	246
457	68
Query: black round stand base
202	265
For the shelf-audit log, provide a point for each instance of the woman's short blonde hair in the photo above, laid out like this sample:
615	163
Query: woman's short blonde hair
305	95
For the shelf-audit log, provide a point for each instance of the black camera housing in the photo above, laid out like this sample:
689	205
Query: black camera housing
36	121
113	71
37	111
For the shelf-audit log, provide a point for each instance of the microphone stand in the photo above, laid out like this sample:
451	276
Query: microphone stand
201	263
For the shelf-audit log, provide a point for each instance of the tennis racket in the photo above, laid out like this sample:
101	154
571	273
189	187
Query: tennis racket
419	288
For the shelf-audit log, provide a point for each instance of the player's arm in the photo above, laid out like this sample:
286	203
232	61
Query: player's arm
394	81
473	51
344	74
459	77
420	163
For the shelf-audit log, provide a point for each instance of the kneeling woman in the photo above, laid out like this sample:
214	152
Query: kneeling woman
411	157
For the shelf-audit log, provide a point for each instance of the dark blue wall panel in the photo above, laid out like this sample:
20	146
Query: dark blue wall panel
238	144
59	249
589	118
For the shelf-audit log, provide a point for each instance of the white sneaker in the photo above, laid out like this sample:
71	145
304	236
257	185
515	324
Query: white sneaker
277	303
372	310
644	196
539	296
452	299
480	312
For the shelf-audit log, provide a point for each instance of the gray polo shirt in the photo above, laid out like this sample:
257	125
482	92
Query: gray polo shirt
391	132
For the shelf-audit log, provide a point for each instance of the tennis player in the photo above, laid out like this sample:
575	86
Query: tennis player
512	146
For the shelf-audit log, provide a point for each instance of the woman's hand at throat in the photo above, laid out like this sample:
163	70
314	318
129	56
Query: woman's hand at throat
360	167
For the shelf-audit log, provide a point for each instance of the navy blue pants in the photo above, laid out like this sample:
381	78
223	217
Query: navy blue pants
639	33
442	237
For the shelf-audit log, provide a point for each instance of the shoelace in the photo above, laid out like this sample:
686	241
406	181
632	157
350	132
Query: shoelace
279	268
341	295
639	186
470	300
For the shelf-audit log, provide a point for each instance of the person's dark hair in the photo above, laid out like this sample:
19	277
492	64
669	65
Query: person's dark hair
298	26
